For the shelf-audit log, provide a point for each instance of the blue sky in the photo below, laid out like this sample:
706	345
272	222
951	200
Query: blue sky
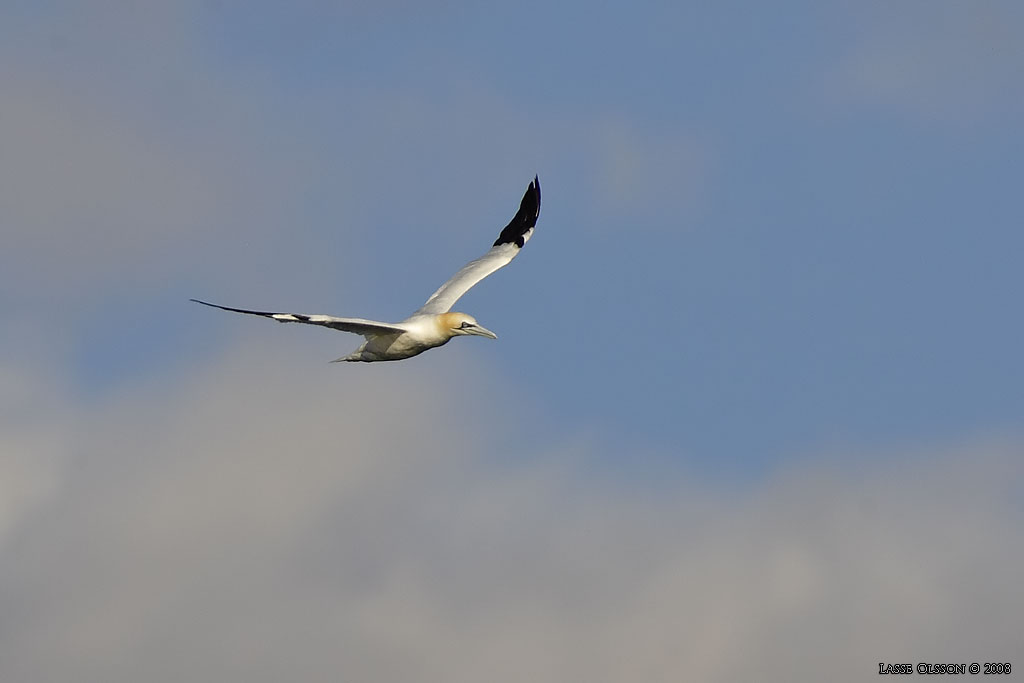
778	244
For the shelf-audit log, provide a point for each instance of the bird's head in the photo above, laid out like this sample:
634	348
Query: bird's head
460	323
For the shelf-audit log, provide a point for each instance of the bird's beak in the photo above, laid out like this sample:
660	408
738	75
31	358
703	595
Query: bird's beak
483	332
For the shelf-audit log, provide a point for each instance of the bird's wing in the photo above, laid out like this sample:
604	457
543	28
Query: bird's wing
506	247
355	325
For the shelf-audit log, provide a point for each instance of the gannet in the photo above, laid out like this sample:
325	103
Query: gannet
433	324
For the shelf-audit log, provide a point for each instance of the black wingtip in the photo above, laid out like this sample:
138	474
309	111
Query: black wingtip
207	303
265	314
525	219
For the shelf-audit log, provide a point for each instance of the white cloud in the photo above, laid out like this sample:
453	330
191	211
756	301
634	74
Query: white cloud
93	195
131	159
34	431
248	522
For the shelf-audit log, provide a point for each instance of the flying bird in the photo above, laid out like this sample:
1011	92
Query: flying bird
433	324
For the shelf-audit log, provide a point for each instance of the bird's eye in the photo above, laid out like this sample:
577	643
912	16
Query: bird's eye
465	325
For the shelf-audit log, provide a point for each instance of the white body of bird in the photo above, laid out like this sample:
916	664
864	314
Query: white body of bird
418	333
